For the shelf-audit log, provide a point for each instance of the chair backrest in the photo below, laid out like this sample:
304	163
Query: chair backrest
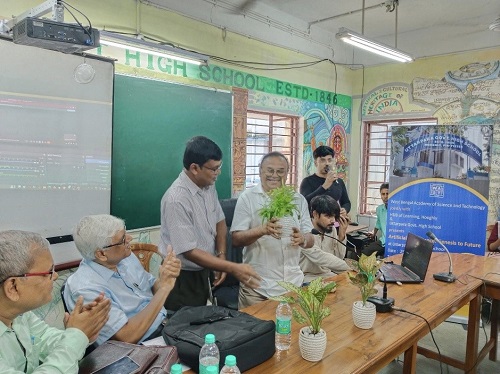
227	292
62	297
233	254
148	255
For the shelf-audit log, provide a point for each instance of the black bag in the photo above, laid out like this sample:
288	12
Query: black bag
248	338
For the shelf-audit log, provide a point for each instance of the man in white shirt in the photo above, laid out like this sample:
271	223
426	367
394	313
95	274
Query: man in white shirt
263	249
326	257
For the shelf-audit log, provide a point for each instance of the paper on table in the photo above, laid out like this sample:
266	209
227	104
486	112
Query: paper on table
155	341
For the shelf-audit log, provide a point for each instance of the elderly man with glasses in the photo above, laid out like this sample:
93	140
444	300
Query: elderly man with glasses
192	221
110	267
263	247
28	344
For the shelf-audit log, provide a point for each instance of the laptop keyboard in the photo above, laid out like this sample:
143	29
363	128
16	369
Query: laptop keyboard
396	272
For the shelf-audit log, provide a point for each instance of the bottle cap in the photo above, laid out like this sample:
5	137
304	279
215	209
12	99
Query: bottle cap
230	360
209	338
176	369
212	369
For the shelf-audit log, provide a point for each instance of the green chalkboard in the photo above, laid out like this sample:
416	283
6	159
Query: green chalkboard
152	121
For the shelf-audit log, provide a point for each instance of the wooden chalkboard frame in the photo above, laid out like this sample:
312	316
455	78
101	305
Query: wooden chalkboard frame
152	121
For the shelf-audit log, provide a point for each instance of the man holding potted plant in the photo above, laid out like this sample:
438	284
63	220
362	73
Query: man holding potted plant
272	253
326	258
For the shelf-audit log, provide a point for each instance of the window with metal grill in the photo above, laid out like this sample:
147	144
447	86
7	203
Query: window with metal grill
268	132
376	159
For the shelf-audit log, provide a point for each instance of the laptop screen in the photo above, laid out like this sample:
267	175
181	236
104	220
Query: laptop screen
417	254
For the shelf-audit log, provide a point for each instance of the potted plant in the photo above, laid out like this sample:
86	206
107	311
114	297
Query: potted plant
281	205
310	299
363	312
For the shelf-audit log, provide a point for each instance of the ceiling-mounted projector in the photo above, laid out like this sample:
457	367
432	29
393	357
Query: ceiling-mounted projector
57	36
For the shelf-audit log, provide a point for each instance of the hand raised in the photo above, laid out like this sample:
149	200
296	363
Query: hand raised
89	320
331	177
170	268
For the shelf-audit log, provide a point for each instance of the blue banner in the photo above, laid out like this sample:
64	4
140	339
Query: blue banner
453	211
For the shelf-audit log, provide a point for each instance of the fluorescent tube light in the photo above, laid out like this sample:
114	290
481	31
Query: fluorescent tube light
144	46
360	41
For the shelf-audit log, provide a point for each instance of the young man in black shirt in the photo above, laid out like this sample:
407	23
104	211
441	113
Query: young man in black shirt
325	181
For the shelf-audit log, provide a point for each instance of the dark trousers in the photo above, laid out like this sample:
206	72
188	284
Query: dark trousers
375	246
191	289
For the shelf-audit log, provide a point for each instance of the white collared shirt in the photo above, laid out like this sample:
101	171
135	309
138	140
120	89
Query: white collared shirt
272	261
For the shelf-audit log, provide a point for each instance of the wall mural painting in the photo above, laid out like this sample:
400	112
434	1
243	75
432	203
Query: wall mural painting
467	96
324	124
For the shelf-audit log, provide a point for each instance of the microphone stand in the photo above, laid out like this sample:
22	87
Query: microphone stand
443	277
382	304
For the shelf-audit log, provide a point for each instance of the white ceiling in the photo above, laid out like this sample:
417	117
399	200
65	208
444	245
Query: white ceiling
425	27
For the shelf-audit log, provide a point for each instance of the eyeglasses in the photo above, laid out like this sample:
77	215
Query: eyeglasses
122	242
42	274
215	169
279	172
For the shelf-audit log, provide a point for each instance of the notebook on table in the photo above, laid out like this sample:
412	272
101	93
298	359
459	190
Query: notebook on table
413	268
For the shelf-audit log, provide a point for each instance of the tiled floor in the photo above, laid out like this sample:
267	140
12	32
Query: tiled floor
450	338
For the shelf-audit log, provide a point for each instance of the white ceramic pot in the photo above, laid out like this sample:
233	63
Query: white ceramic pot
363	315
312	347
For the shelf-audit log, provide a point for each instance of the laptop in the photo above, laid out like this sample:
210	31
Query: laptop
413	268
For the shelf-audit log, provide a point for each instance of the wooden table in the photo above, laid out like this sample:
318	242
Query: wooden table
353	350
352	228
489	272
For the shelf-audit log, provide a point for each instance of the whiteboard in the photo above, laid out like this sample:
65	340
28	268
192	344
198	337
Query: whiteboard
55	138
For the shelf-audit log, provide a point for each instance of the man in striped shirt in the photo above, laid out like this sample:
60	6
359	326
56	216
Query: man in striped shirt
192	221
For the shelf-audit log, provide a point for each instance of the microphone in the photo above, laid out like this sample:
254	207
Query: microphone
316	232
382	304
443	277
327	169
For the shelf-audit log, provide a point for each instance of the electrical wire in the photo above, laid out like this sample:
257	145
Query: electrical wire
89	31
430	330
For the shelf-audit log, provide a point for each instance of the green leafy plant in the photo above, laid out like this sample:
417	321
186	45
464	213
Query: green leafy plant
364	275
280	204
310	299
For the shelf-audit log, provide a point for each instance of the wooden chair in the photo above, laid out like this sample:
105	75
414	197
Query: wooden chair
148	255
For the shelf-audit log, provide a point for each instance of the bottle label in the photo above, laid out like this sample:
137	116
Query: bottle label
283	326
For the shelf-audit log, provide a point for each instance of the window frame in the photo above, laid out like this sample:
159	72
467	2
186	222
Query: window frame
369	194
293	147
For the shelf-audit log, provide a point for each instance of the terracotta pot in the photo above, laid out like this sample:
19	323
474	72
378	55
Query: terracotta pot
363	315
312	347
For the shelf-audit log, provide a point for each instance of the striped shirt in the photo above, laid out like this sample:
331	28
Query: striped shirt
189	217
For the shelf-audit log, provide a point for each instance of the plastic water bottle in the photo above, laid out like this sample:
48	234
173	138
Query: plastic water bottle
209	354
283	335
176	369
212	369
230	366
